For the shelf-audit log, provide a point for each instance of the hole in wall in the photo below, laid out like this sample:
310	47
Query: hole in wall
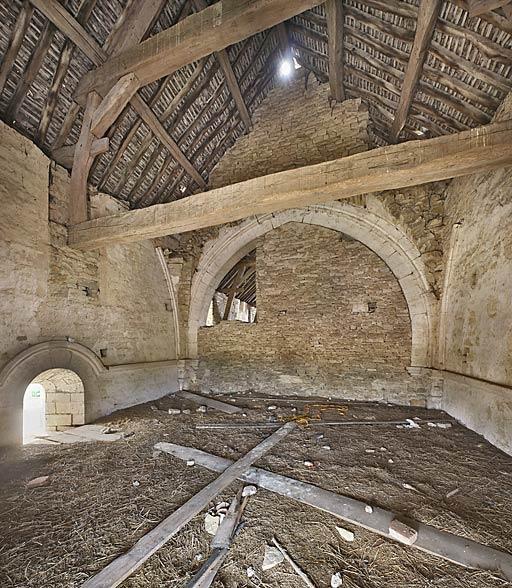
235	296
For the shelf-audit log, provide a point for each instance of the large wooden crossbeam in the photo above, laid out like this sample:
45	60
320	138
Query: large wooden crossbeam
427	18
224	23
385	168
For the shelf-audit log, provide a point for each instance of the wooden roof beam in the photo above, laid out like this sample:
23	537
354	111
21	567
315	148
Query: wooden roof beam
334	11
479	7
386	168
229	75
224	23
427	18
69	27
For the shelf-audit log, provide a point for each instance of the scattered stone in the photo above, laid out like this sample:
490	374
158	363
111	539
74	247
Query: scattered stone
328	447
293	409
383	449
411	424
250	571
201	408
273	557
191	462
444	425
369	450
110	430
336	580
38	482
453	492
309	464
153	407
368	509
199	557
244	414
174	411
345	534
390	460
408	487
319	436
429	424
272	407
136	483
186	411
402	532
211	523
249	490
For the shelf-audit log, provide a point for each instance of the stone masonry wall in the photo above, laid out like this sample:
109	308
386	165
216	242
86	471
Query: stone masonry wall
65	402
112	301
294	126
332	320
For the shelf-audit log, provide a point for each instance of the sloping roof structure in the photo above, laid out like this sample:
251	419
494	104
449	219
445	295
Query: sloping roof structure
192	116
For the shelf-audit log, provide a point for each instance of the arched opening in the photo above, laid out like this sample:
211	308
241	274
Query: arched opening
53	401
391	244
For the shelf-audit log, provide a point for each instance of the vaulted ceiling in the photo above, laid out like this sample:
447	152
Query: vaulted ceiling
166	148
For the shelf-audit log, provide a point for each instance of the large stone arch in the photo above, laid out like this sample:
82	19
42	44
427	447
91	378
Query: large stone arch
27	365
388	241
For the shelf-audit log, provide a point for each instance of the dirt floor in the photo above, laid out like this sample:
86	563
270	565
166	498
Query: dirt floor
102	497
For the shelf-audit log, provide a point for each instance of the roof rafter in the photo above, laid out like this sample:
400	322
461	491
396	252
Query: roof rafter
57	14
214	28
427	17
335	24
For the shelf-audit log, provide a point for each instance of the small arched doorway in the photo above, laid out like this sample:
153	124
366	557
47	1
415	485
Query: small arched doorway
53	401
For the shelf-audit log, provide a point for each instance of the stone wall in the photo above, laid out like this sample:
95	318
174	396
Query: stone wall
113	301
294	126
64	399
332	320
476	315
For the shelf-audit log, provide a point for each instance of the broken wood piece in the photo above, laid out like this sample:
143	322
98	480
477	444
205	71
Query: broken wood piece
207	572
458	550
302	575
211	402
113	104
122	567
402	532
220	544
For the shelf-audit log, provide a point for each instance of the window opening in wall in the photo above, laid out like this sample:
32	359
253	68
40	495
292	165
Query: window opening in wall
53	401
235	296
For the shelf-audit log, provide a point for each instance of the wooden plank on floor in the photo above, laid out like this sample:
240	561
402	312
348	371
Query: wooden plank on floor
122	567
453	548
211	402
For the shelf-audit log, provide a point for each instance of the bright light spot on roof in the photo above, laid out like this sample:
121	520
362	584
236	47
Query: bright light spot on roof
182	189
296	64
285	69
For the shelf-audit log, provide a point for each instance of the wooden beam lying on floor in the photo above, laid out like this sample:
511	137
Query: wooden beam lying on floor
122	567
224	23
385	168
458	550
427	18
207	401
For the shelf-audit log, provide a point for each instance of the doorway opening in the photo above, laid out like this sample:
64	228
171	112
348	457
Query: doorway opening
53	401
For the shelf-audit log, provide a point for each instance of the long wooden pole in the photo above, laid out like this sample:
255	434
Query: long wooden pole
458	550
122	567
